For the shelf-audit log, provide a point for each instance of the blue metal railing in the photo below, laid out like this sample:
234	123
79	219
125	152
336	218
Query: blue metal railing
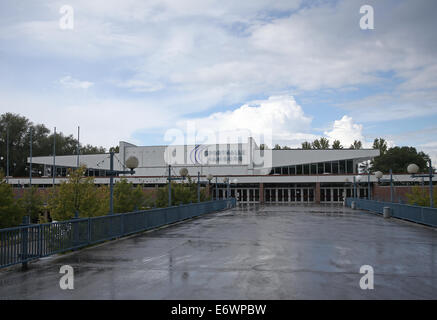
29	242
423	215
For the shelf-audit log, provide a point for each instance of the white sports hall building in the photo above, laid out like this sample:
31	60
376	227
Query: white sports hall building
256	175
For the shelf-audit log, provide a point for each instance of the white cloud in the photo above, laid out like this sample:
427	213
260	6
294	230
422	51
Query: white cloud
69	82
184	57
279	119
346	131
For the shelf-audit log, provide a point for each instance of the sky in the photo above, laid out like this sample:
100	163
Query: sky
145	71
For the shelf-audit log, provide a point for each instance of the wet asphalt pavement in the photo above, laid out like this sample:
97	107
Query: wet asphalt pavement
256	252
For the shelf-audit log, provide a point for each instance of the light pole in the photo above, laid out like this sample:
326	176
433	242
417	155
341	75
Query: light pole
198	186
368	185
183	172
209	178
356	181
379	175
414	168
131	163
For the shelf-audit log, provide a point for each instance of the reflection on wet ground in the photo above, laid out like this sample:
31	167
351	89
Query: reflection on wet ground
251	252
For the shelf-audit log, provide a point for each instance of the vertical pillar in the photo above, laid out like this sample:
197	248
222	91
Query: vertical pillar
317	193
261	193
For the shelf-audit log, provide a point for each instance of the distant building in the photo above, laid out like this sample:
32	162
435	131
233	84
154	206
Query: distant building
257	176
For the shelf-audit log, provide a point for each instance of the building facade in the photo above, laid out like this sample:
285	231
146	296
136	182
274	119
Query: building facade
255	175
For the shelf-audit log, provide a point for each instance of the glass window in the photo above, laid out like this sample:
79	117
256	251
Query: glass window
306	169
342	167
320	168
293	170
350	166
298	169
285	170
328	167
335	167
314	168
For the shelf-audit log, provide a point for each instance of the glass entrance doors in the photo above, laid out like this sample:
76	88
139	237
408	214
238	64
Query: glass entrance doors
287	195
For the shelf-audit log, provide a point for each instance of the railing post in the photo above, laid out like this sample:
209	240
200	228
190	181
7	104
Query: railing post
24	242
75	229
89	231
40	240
122	224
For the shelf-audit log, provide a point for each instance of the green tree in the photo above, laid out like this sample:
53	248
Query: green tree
79	194
337	145
114	149
32	203
277	147
356	145
126	197
398	159
182	193
306	145
11	214
380	144
420	196
42	143
321	143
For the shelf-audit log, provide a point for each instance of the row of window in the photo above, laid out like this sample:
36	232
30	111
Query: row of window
330	167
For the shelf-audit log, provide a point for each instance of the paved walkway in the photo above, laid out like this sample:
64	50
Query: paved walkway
258	252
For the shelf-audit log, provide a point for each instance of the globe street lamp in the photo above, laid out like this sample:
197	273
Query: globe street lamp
183	172
414	168
131	163
357	180
379	175
226	181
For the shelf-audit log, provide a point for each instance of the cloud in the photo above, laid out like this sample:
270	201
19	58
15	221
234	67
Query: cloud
346	131
278	119
190	57
71	83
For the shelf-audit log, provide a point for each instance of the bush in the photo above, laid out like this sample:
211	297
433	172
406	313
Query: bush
11	214
419	196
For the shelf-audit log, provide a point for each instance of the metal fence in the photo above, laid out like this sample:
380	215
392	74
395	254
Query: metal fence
423	215
29	242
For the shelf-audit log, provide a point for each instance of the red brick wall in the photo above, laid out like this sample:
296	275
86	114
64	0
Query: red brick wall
382	193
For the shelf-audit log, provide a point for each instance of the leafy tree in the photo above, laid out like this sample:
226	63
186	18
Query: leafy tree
263	146
398	159
277	147
420	196
182	193
115	149
356	145
337	145
11	213
42	143
321	143
32	203
286	148
380	144
126	197
89	149
306	145
79	194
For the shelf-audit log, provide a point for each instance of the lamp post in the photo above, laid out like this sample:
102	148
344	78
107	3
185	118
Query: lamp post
183	174
414	168
379	175
357	180
226	182
368	185
131	163
198	186
209	178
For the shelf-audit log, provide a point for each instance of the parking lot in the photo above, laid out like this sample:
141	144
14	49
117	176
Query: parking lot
251	252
